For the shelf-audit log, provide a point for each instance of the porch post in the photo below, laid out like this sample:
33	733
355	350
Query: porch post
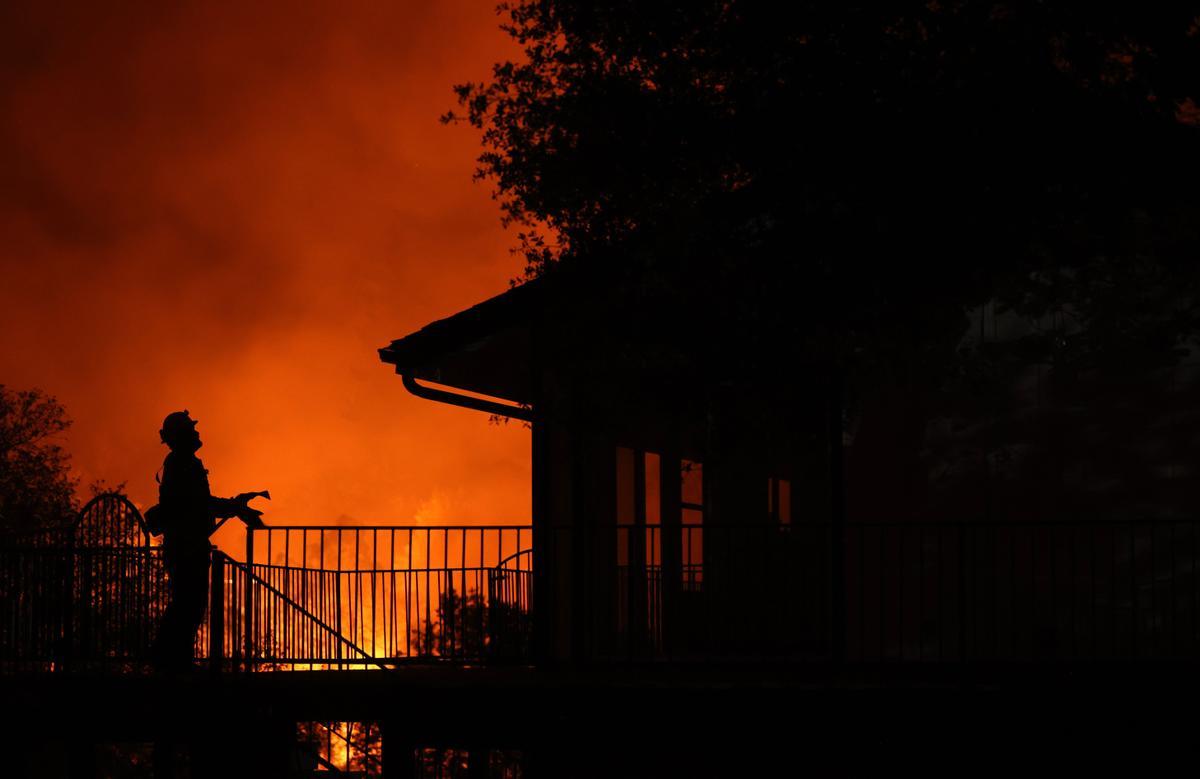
397	752
581	582
541	607
837	534
639	644
670	485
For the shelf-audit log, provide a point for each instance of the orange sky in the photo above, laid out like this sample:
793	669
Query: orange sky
229	210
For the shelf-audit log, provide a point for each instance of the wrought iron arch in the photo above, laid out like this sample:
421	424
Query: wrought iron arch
110	520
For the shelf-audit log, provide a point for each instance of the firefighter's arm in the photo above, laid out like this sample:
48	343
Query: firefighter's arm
238	506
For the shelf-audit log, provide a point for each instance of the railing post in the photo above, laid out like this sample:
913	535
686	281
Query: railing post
66	605
837	538
81	607
248	604
216	613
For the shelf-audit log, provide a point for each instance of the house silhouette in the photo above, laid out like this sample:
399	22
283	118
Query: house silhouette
681	514
720	577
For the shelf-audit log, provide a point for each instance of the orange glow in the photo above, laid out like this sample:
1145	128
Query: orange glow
228	209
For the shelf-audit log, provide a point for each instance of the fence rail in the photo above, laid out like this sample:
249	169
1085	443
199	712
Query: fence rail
914	592
337	597
79	608
399	593
1025	591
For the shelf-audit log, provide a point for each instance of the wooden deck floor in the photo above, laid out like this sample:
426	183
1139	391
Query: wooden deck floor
520	699
786	717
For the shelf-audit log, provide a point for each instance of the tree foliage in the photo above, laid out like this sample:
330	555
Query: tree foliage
458	628
36	486
468	626
850	179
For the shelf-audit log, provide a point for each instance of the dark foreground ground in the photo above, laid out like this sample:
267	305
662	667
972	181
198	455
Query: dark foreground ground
638	722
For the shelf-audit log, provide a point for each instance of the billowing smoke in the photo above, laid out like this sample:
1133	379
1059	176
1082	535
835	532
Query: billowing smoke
228	208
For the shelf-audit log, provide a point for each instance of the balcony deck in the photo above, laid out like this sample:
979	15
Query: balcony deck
866	718
959	630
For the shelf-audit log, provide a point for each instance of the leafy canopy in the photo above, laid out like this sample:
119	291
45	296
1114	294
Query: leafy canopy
853	178
36	486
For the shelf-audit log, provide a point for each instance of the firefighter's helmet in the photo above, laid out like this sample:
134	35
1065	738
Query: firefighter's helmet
176	424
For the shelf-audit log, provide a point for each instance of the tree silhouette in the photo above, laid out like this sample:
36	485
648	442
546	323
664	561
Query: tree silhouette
765	210
350	747
458	629
36	486
848	180
469	626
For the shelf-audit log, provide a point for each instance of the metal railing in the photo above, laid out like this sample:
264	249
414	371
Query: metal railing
692	592
914	592
393	593
1024	591
70	608
310	598
510	604
338	597
255	625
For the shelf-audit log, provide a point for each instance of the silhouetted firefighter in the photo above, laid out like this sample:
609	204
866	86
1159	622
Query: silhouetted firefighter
186	516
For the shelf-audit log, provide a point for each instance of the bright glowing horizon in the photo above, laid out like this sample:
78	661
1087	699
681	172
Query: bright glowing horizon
229	210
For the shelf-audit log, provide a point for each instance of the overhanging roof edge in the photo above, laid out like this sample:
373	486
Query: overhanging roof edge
422	348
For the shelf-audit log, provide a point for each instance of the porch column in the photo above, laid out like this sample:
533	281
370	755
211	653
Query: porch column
837	534
541	607
670	486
